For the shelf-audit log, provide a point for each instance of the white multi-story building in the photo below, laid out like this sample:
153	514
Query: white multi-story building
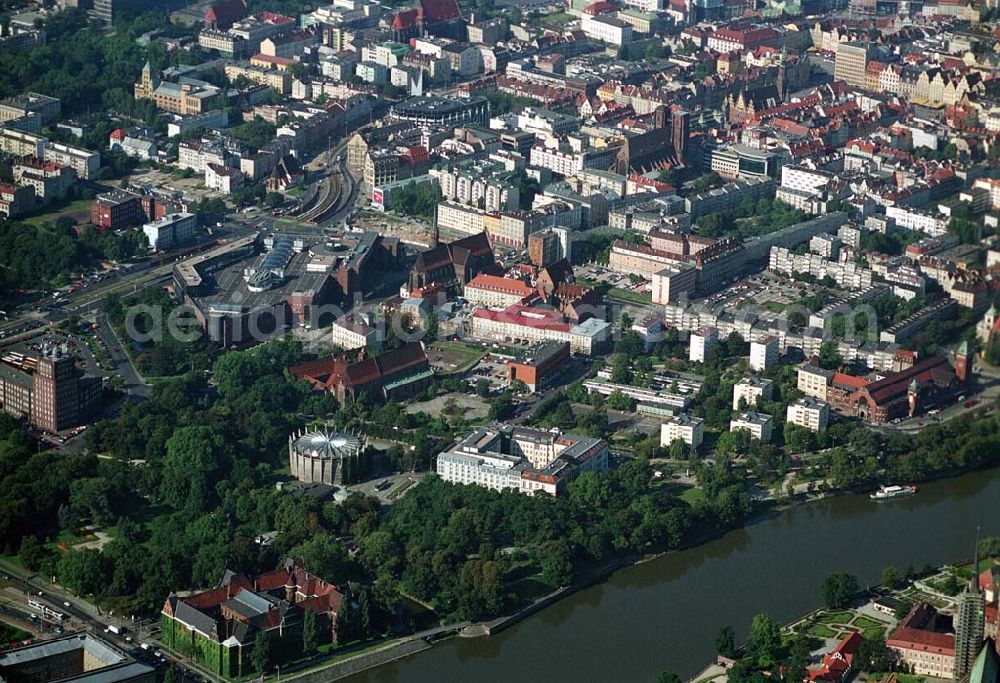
846	273
546	123
348	333
758	425
814	381
562	161
702	341
764	352
223	179
171	231
809	412
525	460
690	430
83	161
479	183
992	185
749	389
804	179
934	224
606	29
827	246
648	6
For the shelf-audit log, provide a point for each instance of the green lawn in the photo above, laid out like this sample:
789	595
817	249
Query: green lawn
530	589
350	650
774	306
870	633
629	295
80	206
557	18
692	495
835	617
865	623
821	631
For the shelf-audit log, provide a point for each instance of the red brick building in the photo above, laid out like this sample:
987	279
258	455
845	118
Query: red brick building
539	364
906	393
117	209
396	374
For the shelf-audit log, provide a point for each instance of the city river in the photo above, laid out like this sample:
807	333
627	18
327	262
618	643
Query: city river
663	615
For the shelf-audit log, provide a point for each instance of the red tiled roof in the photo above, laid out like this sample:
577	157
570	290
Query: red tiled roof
526	317
226	11
849	380
495	283
275	18
403	19
599	7
438	10
924	641
277	61
927	370
913	634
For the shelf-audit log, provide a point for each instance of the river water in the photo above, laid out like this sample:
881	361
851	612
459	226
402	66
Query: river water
663	615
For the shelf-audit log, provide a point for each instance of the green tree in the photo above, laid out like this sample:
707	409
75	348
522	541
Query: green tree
829	356
678	449
668	677
619	401
725	642
874	656
621	371
556	563
310	633
889	577
502	406
838	589
764	641
483	387
264	652
31	552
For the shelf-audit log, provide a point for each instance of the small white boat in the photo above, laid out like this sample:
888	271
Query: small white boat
889	492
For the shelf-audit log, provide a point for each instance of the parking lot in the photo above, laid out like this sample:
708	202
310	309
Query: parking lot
765	289
601	275
387	489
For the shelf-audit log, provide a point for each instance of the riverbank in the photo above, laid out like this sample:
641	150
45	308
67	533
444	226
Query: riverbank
596	575
873	613
652	609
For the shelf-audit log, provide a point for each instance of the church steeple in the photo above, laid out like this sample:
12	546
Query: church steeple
781	80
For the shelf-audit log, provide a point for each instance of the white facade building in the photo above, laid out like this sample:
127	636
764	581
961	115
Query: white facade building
750	389
702	341
764	352
691	430
525	460
758	425
809	412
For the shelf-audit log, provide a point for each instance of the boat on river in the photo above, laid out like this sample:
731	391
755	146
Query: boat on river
890	492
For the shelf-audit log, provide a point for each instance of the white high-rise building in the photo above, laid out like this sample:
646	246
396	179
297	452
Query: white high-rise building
702	341
764	352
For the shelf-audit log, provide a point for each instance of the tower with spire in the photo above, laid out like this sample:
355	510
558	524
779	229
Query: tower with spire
781	79
149	81
970	622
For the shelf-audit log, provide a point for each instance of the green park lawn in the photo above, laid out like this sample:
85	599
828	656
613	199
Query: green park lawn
821	631
865	623
834	617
